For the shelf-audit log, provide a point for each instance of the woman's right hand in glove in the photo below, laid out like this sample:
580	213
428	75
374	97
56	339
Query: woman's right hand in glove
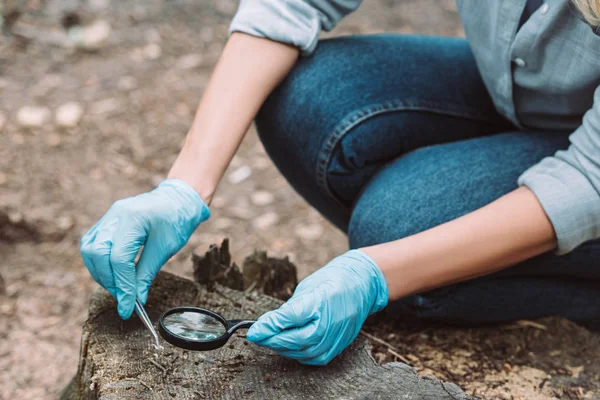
161	221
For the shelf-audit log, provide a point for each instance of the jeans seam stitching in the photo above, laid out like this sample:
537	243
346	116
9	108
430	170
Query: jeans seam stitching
360	115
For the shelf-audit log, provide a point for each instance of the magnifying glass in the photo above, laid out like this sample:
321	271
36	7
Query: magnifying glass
198	329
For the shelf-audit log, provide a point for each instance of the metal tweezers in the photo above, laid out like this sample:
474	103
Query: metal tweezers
139	308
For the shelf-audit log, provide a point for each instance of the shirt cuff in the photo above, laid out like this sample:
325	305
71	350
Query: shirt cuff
293	22
569	199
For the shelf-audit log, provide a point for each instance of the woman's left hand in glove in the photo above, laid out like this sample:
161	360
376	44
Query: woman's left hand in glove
326	312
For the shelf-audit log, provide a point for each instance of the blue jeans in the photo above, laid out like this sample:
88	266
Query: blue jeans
389	135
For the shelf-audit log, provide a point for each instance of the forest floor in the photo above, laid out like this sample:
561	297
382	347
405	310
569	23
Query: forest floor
137	92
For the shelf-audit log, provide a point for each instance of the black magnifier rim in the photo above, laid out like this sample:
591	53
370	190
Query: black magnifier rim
190	344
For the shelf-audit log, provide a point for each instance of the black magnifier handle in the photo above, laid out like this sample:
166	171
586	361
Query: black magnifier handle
235	324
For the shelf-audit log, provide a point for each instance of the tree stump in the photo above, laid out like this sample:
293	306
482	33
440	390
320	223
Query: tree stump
118	361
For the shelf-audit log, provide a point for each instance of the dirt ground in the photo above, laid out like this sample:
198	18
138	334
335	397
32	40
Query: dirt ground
137	85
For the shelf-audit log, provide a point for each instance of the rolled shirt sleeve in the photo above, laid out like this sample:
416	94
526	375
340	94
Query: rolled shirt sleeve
295	22
568	184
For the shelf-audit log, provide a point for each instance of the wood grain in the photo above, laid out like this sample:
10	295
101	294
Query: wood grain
117	360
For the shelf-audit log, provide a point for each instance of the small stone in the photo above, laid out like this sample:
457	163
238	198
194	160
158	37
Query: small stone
33	116
15	217
576	371
96	34
266	220
152	51
262	198
309	232
68	115
3	178
190	61
2	120
53	139
240	174
65	222
127	83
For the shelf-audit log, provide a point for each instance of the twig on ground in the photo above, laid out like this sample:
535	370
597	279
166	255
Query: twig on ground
121	362
527	323
378	340
141	383
251	287
206	359
399	356
159	366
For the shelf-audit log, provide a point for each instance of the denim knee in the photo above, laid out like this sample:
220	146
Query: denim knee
293	124
384	213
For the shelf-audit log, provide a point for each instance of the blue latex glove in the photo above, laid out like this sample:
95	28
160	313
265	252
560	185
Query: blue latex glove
161	220
326	312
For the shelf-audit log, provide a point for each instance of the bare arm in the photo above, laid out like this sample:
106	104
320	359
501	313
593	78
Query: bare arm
248	70
163	220
503	233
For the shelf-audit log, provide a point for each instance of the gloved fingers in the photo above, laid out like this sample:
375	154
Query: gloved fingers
85	247
152	259
297	312
92	270
320	360
95	249
91	233
122	257
294	342
323	343
326	351
312	356
320	354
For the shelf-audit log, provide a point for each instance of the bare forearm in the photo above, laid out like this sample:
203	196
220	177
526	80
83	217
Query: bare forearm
248	70
503	233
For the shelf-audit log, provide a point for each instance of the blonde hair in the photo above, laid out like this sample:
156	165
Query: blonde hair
590	9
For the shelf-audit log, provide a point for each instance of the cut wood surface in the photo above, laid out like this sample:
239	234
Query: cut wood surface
117	360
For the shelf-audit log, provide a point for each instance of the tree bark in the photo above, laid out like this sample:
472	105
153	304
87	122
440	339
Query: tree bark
118	361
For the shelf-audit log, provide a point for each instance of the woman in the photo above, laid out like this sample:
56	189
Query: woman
445	161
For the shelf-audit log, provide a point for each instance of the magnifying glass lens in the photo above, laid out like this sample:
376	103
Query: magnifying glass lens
194	325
